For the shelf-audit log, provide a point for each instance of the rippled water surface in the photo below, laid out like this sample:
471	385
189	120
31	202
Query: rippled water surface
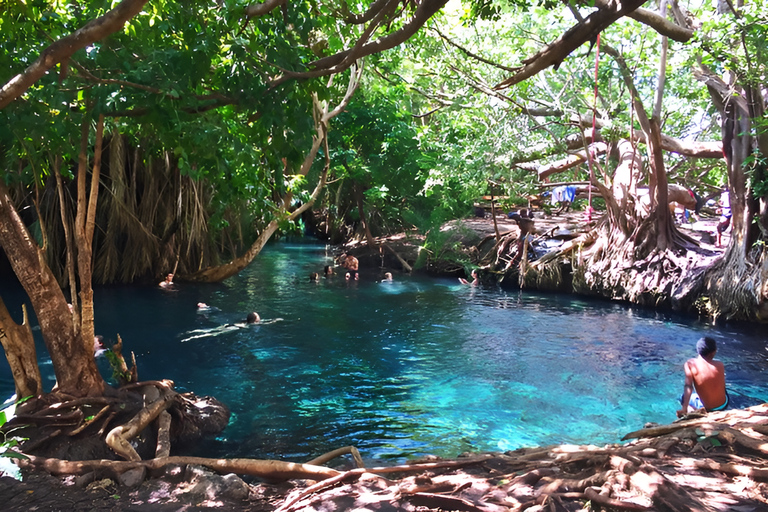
417	366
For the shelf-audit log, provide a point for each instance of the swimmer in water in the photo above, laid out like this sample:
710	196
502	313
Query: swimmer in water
251	319
167	282
475	279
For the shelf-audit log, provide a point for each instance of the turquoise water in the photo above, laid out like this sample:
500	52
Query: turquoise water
418	366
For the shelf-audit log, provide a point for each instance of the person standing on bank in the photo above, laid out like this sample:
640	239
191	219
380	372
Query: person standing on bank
725	215
704	380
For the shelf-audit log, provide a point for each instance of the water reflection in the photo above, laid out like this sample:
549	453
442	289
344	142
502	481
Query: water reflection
411	367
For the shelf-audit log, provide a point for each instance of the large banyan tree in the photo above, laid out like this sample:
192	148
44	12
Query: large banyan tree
662	101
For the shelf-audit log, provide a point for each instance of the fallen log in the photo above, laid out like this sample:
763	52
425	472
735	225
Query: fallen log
402	261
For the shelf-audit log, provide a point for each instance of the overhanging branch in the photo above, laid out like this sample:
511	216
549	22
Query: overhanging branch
342	60
554	53
65	47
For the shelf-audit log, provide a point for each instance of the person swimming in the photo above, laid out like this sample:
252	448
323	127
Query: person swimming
252	319
167	282
475	279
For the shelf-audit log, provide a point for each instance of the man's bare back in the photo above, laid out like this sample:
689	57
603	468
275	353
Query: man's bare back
706	376
351	263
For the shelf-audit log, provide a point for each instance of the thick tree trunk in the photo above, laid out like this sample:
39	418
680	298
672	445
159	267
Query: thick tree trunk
19	346
664	226
372	245
84	226
73	364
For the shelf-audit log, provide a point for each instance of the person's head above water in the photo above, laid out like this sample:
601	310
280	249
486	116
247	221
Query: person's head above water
706	347
328	270
252	318
314	276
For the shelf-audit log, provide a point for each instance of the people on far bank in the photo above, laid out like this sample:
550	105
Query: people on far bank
475	279
704	386
725	215
350	263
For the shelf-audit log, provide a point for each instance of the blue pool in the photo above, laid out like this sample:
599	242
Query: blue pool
418	366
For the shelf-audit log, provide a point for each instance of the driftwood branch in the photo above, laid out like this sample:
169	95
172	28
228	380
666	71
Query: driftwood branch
337	452
402	261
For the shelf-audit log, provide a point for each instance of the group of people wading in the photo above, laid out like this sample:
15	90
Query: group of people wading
348	262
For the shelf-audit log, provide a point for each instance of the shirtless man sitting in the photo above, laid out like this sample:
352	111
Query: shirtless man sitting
704	380
350	263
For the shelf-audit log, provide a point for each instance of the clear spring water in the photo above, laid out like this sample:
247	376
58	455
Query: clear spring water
418	366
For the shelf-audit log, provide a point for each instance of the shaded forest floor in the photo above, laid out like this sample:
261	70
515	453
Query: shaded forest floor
713	462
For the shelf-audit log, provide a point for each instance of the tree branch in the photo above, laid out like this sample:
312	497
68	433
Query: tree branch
359	19
254	10
342	60
65	47
554	53
472	55
657	22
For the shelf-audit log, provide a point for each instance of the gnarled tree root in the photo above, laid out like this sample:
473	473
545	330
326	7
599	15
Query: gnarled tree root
267	469
118	437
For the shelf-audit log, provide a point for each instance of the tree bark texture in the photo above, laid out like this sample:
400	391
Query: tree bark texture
74	366
84	226
19	347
